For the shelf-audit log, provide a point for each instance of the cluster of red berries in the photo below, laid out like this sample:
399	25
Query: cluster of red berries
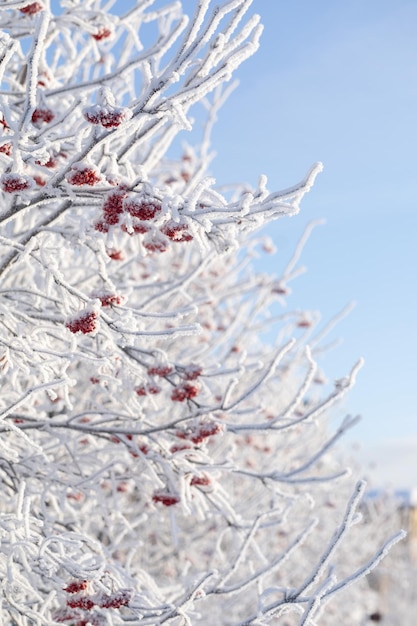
6	148
85	322
50	163
31	9
81	602
40	116
150	388
135	215
185	391
108	299
200	432
201	480
83	175
192	372
165	497
160	370
108	117
140	209
102	33
176	232
14	183
179	447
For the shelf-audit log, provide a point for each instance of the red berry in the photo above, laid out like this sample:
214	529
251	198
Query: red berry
115	255
39	181
304	323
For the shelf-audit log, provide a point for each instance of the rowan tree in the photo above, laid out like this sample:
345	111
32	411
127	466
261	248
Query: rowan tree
161	461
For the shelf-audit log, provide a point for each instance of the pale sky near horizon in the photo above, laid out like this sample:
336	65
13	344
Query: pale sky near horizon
336	82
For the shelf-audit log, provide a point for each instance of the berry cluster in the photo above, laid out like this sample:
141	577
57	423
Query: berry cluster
165	497
42	116
108	117
201	480
102	33
176	231
184	392
192	372
6	148
200	432
76	585
83	175
85	322
108	299
31	9
150	388
143	209
15	183
160	370
78	610
138	214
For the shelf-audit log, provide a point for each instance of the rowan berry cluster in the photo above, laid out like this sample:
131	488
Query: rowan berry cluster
184	392
42	116
83	175
31	9
84	322
201	431
165	497
102	33
141	214
107	298
107	116
78	610
15	183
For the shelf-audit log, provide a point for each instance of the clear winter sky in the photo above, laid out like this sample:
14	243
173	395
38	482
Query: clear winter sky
336	81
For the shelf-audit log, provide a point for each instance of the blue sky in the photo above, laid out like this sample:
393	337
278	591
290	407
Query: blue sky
336	82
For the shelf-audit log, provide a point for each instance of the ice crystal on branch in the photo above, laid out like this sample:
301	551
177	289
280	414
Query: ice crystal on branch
166	455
